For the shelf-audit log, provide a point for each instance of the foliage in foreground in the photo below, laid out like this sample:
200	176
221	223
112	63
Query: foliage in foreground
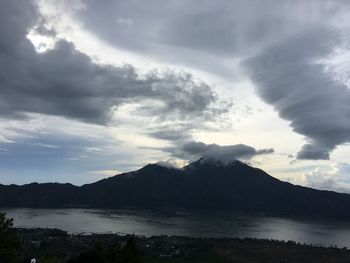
113	254
9	244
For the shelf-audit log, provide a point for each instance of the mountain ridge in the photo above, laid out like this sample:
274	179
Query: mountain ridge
202	184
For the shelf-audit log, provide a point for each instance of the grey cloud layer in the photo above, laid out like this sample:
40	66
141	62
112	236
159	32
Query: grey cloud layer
65	82
214	27
194	150
287	77
204	34
282	39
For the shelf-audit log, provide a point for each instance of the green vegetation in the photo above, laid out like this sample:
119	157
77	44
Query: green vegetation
115	253
8	241
111	248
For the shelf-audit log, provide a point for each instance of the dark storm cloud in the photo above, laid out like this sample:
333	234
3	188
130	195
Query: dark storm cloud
288	77
283	40
194	150
206	34
166	133
66	82
219	28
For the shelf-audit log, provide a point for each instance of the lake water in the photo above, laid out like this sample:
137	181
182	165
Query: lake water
185	223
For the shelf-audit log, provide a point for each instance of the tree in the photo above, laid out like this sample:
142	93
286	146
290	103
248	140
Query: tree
9	243
115	253
129	252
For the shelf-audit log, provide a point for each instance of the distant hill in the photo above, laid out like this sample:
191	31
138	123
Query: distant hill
204	184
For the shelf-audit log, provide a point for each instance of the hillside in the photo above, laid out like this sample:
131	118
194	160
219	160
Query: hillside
204	184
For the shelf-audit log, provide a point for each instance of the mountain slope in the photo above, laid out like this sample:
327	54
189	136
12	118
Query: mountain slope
204	184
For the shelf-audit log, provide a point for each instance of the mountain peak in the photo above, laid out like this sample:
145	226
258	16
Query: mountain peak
215	162
153	167
207	183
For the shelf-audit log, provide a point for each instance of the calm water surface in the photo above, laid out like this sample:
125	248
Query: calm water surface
185	223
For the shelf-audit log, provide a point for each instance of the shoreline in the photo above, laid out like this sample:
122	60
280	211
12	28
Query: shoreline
36	231
44	242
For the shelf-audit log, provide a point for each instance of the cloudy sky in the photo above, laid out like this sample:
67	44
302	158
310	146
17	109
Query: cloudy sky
89	88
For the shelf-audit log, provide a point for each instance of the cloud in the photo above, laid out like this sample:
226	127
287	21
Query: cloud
57	154
65	82
125	21
205	34
106	172
194	150
177	134
172	163
290	77
333	178
279	42
283	45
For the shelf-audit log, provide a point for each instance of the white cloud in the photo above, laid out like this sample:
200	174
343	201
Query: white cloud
335	178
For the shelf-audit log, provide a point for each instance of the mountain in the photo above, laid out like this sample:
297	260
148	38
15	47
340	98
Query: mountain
204	184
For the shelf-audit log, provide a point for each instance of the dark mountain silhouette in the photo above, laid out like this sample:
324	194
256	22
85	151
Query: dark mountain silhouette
204	184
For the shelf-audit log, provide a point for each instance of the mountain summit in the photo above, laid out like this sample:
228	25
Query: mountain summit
215	162
203	184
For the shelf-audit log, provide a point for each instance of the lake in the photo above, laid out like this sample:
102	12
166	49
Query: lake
185	223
